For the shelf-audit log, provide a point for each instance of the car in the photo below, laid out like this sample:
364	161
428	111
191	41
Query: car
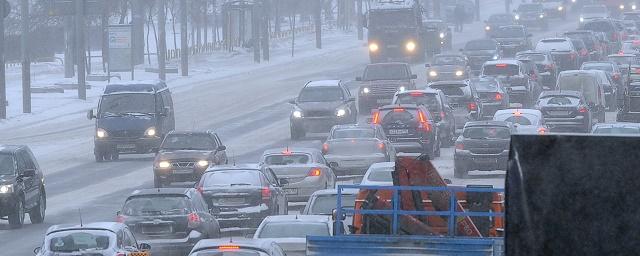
241	196
618	129
481	50
610	89
291	231
438	104
379	174
613	33
512	39
517	78
484	146
554	8
493	96
463	100
565	111
22	186
581	48
595	50
630	27
544	63
380	81
632	16
623	60
132	118
184	155
410	128
624	35
593	11
562	50
628	107
237	246
323	202
532	14
525	121
496	20
351	149
631	47
529	66
171	220
611	68
305	170
590	85
319	106
447	67
439	36
605	43
97	238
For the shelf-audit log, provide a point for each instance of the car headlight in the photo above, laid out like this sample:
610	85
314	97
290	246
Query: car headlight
459	73
150	132
373	47
341	112
164	164
401	89
621	7
297	114
6	189
487	28
581	19
203	163
560	8
365	90
541	16
433	73
495	57
441	35
410	46
101	133
517	17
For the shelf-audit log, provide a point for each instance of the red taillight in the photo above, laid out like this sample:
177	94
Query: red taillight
501	65
583	52
381	146
325	148
376	118
120	218
443	115
616	76
266	194
194	219
228	247
542	130
315	172
398	110
498	96
472	106
416	94
583	109
424	123
459	146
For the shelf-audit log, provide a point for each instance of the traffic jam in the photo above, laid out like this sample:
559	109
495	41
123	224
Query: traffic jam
419	97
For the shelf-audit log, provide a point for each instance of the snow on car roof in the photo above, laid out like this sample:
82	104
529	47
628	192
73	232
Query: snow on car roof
280	151
517	111
323	83
298	218
392	4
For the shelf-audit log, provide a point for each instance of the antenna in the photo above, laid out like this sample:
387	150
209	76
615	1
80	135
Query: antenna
233	157
80	215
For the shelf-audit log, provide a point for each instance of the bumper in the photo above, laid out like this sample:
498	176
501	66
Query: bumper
7	202
568	124
128	146
178	174
412	145
318	124
181	246
240	219
628	117
481	162
354	165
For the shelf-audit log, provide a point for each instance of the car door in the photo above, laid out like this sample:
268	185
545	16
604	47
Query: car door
448	111
391	151
28	182
351	104
170	120
270	179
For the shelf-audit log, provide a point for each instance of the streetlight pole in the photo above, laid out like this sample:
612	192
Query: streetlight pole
26	61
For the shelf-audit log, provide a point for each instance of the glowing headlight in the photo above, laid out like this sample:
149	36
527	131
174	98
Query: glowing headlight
341	112
401	89
150	132
621	7
365	90
433	73
541	16
441	35
560	8
581	19
410	46
459	73
101	133
517	17
203	163
495	57
633	7
573	1
487	28
164	164
373	47
297	114
6	189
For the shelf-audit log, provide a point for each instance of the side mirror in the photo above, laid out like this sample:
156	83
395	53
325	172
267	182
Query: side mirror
333	165
427	65
221	148
283	182
144	246
293	101
358	78
334	214
28	173
414	76
90	114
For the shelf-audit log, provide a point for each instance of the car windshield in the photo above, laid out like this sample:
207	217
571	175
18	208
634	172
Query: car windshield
429	100
450	90
188	142
586	84
505	32
607	67
297	229
486	132
476	45
500	70
391	18
380	174
501	19
127	104
601	26
485	85
155	205
320	94
631	47
530	8
537	57
231	178
626	130
287	159
449	60
80	240
385	72
398	116
324	204
7	166
554	45
352	133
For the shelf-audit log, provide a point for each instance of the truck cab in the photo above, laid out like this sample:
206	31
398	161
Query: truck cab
395	31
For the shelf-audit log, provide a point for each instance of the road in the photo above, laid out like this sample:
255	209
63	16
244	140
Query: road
249	111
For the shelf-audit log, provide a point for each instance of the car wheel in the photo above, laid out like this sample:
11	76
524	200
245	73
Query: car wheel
16	218
114	155
460	172
157	182
295	133
99	156
36	215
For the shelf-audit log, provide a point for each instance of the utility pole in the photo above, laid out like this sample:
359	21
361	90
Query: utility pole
477	10
137	21
26	61
162	44
80	50
360	20
3	88
317	15
69	70
184	48
266	16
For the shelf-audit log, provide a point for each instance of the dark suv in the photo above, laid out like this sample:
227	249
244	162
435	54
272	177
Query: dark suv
590	40
493	96
321	105
410	128
607	26
512	39
482	146
21	186
463	100
437	103
380	81
532	15
516	78
184	156
562	50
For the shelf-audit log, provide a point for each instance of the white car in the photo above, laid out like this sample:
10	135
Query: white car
525	121
291	231
379	174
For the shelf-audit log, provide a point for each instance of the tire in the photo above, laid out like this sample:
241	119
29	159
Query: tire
295	134
114	156
157	182
16	218
36	215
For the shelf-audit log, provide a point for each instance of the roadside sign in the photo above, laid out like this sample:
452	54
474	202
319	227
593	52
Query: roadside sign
120	48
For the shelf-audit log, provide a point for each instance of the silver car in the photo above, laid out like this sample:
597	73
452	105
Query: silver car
351	149
304	169
291	231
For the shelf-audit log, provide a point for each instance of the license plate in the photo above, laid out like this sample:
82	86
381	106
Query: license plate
231	200
392	46
157	229
398	131
291	191
182	171
559	113
126	146
383	101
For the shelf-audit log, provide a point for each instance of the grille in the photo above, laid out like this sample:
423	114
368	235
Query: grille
383	89
126	134
183	164
318	113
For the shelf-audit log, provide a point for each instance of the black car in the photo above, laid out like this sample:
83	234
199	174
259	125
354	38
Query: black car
410	128
321	105
532	14
554	8
242	196
590	41
171	220
497	20
437	103
463	100
380	81
545	64
184	156
483	146
581	48
517	78
447	67
512	39
564	53
565	111
439	36
480	51
493	96
613	33
21	186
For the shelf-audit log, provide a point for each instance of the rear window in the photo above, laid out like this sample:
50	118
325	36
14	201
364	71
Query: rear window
230	252
382	174
560	100
601	26
500	70
617	130
451	90
607	67
554	45
386	72
486	132
324	204
156	205
353	133
518	120
293	229
485	85
287	159
232	178
426	99
79	240
532	56
581	83
396	115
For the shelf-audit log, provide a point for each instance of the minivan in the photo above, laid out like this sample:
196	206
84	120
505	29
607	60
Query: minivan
589	84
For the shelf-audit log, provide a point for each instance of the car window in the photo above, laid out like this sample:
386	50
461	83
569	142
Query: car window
501	19
485	85
486	132
126	104
156	205
529	8
177	141
129	240
7	166
506	32
394	116
232	178
324	204
381	174
293	229
321	94
429	100
554	45
287	159
518	120
560	100
79	240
